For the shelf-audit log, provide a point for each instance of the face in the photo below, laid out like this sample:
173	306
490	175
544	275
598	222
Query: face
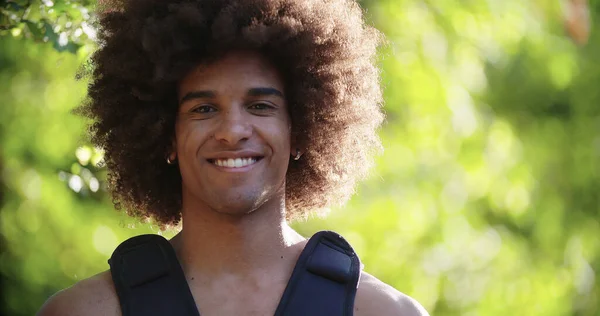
232	135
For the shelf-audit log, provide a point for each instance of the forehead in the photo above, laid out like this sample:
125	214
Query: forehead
241	69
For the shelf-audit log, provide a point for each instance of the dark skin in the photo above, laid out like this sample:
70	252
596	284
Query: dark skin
235	247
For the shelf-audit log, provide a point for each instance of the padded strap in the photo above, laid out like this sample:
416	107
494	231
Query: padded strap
324	280
149	280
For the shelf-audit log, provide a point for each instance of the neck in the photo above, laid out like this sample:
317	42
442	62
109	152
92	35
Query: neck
212	245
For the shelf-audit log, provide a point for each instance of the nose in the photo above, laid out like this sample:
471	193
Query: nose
233	127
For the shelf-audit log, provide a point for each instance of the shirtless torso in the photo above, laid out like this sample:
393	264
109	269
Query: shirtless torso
229	296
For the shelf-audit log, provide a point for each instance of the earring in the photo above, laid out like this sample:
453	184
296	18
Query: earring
298	154
169	161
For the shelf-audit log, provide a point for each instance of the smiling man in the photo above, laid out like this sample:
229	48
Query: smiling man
233	136
234	117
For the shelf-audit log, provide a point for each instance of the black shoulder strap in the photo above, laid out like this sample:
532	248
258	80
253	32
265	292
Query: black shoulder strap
148	278
324	280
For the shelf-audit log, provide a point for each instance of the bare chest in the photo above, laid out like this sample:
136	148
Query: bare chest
237	299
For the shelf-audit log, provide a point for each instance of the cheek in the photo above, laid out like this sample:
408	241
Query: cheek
189	135
280	134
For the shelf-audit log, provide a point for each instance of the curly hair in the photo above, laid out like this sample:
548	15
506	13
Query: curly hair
324	50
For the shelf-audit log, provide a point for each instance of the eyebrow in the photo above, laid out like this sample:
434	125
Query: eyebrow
253	92
197	95
257	92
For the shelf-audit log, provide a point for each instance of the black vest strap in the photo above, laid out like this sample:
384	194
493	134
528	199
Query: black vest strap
149	280
325	279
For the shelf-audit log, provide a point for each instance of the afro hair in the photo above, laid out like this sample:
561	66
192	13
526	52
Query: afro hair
323	48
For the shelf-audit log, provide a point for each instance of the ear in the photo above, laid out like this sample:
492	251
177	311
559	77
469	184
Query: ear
296	153
173	147
296	148
171	151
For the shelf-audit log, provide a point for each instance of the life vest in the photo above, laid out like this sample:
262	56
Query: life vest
149	279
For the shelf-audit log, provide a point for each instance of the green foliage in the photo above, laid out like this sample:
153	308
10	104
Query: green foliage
64	23
484	203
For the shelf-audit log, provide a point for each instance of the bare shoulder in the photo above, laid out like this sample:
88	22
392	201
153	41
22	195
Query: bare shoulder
374	297
93	296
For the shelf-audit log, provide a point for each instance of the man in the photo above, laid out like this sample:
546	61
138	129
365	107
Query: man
234	117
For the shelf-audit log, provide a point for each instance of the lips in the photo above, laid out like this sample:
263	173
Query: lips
235	163
235	159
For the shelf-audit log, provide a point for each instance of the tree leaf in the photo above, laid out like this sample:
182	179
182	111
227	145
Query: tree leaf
35	30
13	6
49	32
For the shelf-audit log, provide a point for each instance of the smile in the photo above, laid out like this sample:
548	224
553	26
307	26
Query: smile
235	163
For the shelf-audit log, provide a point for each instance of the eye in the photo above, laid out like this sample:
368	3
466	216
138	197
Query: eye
203	109
261	106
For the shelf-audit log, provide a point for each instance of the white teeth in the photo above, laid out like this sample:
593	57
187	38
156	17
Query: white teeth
234	163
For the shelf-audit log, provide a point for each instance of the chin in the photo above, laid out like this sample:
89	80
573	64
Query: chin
240	207
242	202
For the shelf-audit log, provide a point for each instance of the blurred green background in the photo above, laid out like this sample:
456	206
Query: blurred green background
484	203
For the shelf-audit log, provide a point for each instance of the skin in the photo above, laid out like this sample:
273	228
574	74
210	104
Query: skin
235	247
